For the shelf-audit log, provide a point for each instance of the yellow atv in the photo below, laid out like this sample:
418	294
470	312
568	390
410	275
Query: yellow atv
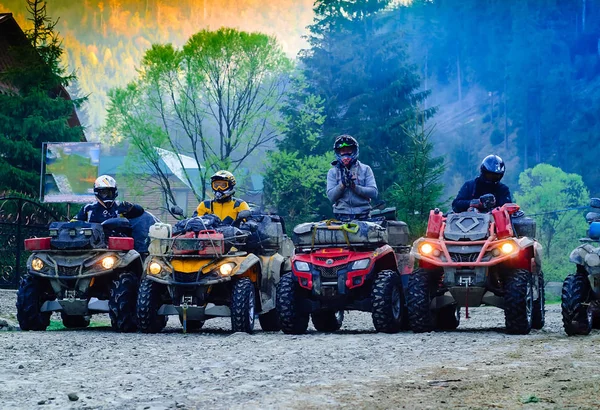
203	269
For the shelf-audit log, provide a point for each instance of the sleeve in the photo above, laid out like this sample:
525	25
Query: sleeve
243	206
334	190
463	199
369	190
503	196
202	209
81	215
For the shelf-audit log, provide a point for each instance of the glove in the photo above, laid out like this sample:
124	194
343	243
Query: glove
488	201
475	203
124	207
348	179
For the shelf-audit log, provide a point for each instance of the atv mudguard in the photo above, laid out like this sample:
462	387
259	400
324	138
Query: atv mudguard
587	256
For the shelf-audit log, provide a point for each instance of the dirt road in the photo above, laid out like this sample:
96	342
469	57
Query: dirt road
477	366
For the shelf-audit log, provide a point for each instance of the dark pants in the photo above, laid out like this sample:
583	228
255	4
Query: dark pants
352	217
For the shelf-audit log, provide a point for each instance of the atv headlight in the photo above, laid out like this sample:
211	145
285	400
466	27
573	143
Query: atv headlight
507	247
154	268
302	266
226	269
108	262
360	264
37	264
426	249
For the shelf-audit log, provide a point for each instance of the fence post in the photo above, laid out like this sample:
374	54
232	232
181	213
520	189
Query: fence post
19	242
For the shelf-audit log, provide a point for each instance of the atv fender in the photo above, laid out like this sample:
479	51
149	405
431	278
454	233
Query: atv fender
578	255
272	269
132	258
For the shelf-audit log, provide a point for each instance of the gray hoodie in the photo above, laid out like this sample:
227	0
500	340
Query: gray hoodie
352	201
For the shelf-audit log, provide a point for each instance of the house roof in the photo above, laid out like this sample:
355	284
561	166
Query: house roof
11	35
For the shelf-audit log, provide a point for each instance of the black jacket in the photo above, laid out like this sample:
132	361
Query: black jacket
97	213
476	188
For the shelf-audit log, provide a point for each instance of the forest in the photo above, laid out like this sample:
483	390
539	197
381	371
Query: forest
428	87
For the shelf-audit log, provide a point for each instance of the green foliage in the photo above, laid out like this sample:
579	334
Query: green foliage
296	186
215	100
419	188
34	112
545	188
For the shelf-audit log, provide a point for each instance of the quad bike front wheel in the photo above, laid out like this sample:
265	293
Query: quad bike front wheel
328	320
243	306
388	311
418	301
74	321
518	302
269	322
291	317
29	303
122	303
576	312
148	302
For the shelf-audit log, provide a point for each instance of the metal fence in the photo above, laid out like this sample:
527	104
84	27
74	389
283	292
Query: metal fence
20	218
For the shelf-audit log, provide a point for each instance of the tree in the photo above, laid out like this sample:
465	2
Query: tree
225	80
297	185
419	188
36	108
542	189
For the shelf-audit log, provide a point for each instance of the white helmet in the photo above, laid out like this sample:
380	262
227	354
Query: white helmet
105	189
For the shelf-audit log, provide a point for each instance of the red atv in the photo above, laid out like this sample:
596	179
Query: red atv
474	258
339	267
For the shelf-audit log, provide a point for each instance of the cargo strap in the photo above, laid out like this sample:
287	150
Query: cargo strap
345	228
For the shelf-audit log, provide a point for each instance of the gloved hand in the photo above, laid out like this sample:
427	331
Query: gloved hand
124	207
348	179
475	203
488	201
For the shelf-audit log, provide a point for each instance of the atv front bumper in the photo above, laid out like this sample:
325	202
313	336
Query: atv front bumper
195	312
76	307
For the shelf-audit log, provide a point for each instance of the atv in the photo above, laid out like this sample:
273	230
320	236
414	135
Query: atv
477	258
581	290
203	269
343	266
79	270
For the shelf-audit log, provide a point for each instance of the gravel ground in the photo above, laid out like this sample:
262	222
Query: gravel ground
477	366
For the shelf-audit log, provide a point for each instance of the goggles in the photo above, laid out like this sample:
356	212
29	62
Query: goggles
220	185
106	194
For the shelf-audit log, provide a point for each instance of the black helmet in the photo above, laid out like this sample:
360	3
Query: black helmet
346	141
492	169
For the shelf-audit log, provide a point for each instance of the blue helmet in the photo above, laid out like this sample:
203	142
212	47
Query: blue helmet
343	141
492	169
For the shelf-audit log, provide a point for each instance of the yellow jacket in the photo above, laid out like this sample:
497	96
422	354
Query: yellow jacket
226	211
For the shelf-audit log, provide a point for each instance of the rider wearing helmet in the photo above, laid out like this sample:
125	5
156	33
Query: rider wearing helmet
478	192
350	184
224	205
106	207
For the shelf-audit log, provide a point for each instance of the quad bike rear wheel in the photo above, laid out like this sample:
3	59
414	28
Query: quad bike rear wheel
538	316
29	302
291	317
243	306
328	320
518	302
148	303
269	322
418	302
74	322
388	312
576	312
448	318
122	303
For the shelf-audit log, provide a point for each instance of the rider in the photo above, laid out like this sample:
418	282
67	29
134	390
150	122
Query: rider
106	207
350	184
478	193
224	205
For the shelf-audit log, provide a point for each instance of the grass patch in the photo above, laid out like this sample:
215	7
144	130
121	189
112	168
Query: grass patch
553	299
57	325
